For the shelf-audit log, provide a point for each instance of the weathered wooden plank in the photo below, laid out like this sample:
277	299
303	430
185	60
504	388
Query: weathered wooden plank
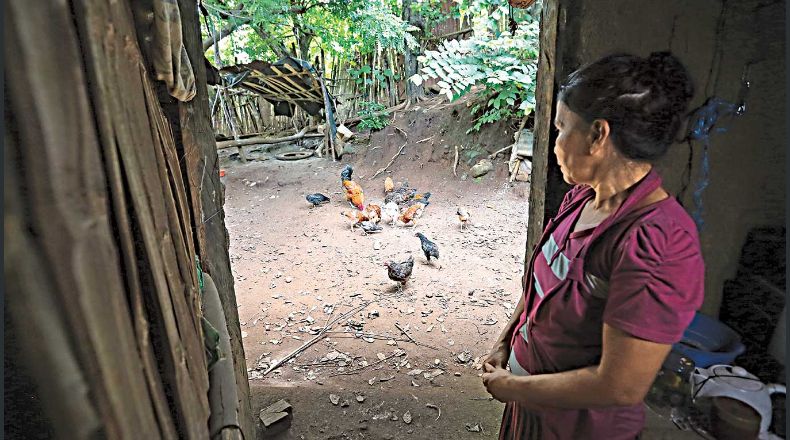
114	59
544	110
65	188
197	143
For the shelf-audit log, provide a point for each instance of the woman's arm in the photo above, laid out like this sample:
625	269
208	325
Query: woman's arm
627	369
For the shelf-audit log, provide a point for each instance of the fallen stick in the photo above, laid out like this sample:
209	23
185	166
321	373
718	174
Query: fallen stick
347	335
501	150
262	140
355	370
381	170
318	337
424	140
455	162
404	332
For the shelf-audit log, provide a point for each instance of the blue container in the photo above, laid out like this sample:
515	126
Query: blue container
708	341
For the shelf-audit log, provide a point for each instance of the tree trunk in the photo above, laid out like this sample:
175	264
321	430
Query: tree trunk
303	40
411	66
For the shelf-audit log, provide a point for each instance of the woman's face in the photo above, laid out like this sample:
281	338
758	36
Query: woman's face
573	146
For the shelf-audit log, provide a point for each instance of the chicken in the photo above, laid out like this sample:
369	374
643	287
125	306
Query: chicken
400	272
423	198
390	212
354	194
369	227
400	195
317	199
429	248
355	217
373	212
411	213
463	216
346	173
389	185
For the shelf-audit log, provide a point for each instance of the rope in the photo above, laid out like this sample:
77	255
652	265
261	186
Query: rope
702	126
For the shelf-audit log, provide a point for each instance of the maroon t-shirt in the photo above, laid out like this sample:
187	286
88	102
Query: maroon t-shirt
640	271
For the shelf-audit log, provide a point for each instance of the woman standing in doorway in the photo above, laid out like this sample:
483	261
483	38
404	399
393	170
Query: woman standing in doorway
617	275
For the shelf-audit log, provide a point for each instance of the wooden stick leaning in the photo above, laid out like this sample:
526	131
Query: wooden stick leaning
381	170
455	162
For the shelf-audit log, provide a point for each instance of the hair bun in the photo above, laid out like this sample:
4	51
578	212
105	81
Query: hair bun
664	69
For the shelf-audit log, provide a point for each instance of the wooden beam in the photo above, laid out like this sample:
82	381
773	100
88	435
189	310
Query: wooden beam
544	108
207	198
262	140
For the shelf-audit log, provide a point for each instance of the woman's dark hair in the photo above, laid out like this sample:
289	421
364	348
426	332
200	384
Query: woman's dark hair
643	99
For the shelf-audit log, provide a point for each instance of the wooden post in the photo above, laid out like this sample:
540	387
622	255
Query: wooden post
544	97
207	198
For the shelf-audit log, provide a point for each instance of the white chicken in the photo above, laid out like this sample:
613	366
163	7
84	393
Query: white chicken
390	212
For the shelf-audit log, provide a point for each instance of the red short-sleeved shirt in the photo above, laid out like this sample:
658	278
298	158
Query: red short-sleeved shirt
640	271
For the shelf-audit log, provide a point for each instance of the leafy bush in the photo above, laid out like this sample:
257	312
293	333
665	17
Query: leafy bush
372	116
505	65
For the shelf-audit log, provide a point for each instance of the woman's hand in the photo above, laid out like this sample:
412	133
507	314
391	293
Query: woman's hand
498	382
498	357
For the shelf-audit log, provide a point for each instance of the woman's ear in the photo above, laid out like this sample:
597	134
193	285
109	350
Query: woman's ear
599	133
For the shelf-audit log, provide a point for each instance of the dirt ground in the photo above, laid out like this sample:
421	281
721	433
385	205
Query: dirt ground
297	268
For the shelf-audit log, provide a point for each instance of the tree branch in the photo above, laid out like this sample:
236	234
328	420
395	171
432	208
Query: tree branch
223	32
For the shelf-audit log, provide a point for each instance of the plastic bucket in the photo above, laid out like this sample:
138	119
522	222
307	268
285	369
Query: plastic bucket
708	341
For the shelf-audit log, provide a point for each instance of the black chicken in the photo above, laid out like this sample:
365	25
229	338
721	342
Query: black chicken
429	248
400	272
346	173
317	199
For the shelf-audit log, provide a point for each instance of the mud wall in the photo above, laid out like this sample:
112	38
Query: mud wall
716	40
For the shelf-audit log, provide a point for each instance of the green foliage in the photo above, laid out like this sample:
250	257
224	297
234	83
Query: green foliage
340	27
376	27
372	116
505	66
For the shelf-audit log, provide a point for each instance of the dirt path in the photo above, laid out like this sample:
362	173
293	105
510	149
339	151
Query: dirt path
294	265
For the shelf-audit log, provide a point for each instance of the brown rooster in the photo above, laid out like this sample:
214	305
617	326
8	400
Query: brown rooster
407	218
354	194
389	185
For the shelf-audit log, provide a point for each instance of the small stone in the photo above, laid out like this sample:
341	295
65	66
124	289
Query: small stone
473	428
377	245
483	167
344	404
335	399
360	399
407	417
289	280
381	356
